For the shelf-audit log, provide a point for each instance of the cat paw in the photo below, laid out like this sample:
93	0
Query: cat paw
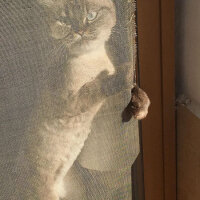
138	106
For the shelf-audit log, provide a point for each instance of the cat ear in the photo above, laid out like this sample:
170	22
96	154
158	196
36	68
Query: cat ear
52	3
48	3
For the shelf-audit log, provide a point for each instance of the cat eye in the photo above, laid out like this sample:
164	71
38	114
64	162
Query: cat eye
91	16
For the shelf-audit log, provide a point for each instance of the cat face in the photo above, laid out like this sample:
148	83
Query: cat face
81	24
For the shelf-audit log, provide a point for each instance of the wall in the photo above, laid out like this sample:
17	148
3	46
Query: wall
188	83
188	155
188	48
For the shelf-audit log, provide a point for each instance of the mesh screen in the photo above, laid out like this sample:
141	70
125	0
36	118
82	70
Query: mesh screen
29	67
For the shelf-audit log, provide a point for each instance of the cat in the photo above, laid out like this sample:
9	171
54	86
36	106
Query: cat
61	123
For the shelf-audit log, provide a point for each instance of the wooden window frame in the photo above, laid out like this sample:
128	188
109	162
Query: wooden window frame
155	20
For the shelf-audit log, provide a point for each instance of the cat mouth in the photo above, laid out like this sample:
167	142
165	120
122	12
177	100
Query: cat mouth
76	39
66	37
70	38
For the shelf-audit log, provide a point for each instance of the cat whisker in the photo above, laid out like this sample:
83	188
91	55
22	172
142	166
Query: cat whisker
119	29
56	49
52	50
56	53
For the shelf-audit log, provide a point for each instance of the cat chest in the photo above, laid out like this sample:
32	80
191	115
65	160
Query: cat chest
89	67
86	68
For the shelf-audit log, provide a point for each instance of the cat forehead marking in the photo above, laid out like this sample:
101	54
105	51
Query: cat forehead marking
107	3
63	13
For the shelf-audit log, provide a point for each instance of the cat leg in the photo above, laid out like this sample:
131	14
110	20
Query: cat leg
65	168
60	186
75	184
96	91
45	189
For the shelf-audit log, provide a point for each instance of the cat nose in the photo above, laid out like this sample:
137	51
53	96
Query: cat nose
80	33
